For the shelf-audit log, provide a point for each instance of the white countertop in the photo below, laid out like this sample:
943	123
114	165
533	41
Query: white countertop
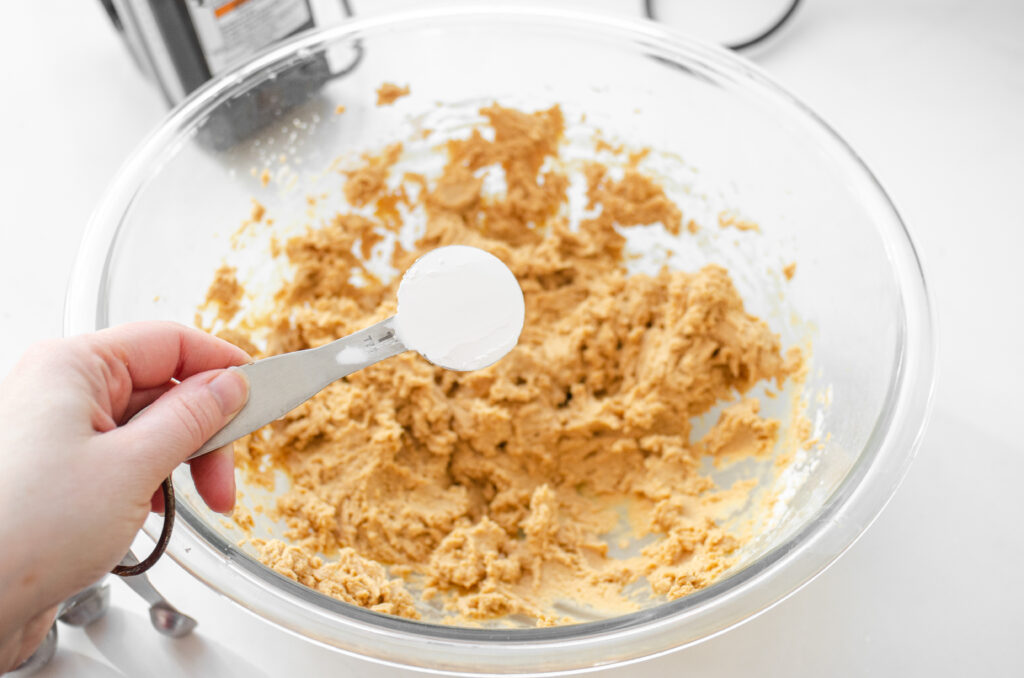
931	94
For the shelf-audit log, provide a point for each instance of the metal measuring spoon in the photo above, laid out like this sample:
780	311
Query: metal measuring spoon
164	617
458	306
81	609
40	658
281	383
86	606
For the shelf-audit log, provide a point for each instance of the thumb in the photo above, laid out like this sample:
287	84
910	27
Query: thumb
178	423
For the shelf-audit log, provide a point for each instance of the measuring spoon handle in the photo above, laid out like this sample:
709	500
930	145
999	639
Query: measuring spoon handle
281	383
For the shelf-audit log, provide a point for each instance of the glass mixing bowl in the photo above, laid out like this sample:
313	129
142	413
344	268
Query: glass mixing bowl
858	294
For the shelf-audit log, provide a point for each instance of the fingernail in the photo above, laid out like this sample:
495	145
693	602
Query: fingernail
231	389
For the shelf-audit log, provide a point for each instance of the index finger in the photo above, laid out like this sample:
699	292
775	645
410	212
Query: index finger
154	352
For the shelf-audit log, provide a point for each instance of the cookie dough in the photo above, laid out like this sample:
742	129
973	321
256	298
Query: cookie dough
497	492
388	93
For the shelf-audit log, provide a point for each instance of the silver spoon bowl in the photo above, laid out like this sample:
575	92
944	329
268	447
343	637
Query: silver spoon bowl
86	606
164	617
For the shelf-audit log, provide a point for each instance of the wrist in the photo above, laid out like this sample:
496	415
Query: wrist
19	582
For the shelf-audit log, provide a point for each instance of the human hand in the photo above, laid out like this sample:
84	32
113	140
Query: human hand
77	481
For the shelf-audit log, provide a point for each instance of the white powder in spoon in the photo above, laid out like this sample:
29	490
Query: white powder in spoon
460	308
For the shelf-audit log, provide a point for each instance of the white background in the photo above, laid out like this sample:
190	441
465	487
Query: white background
930	92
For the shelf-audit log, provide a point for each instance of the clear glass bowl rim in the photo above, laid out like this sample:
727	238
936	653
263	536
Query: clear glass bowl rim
852	507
